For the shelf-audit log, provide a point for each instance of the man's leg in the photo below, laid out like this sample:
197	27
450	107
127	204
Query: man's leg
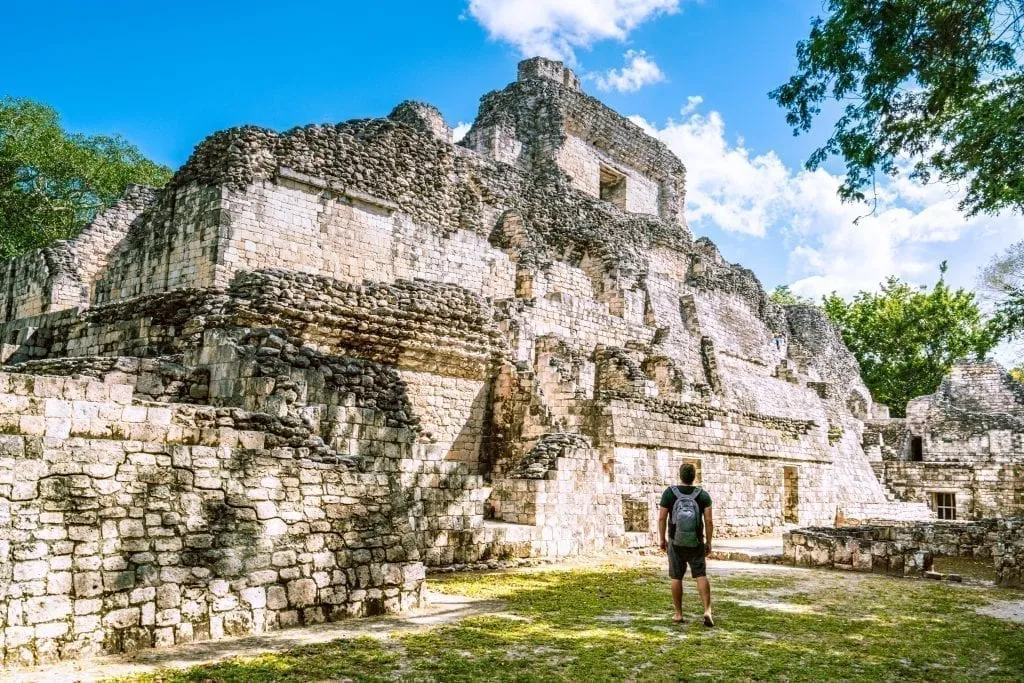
675	573
698	568
677	599
704	588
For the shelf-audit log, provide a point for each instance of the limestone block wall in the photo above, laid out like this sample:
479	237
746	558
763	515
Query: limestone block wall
977	415
748	494
582	162
585	321
147	326
982	387
127	525
161	380
496	142
452	414
61	276
302	223
39	282
674	312
886	439
446	503
570	500
557	278
175	245
747	385
552	124
737	329
701	427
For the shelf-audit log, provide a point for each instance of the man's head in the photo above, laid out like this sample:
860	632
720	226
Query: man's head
687	472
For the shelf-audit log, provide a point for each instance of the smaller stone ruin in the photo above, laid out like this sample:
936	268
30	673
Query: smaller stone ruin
959	450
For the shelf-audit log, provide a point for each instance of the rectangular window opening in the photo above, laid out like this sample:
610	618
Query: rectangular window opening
945	505
635	515
613	187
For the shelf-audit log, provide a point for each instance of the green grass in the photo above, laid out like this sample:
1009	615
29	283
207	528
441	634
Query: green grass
613	625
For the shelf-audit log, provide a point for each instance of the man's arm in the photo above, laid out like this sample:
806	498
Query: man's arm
709	528
662	518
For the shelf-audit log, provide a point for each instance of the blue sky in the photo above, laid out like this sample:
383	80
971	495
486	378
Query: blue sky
695	73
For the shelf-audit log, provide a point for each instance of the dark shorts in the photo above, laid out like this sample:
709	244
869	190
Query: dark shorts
679	557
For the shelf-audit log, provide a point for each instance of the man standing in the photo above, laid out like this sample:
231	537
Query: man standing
687	511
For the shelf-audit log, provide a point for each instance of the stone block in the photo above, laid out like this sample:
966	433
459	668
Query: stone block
47	608
277	598
301	592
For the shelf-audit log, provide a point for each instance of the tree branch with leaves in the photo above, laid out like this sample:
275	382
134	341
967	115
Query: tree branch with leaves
52	183
933	85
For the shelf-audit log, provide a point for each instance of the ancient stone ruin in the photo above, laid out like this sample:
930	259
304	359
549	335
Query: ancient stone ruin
321	361
959	450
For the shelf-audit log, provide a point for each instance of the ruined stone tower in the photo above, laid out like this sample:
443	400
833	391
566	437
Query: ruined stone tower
272	391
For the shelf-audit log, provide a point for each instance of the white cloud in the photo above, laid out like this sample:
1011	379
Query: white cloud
460	130
831	246
555	28
692	102
726	185
639	70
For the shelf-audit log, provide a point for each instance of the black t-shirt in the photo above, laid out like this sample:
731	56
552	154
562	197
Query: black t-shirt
668	499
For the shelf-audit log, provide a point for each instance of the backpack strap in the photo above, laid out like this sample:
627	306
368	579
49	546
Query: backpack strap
676	492
695	492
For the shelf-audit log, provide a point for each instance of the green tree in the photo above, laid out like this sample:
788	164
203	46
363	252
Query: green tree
1017	373
783	296
938	82
52	183
906	339
1002	279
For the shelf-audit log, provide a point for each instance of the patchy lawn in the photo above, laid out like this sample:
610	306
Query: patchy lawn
613	625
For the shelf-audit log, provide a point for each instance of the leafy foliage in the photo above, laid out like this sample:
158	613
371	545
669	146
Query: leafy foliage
52	183
1003	279
784	297
940	82
906	339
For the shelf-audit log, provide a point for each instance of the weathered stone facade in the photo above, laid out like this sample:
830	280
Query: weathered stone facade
960	449
320	360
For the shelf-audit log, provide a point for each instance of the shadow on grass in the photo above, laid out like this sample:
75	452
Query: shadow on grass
614	625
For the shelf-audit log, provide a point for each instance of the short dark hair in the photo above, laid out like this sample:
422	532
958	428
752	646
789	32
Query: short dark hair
687	472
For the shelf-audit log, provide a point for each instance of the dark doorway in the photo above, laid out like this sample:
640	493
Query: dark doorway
916	449
790	495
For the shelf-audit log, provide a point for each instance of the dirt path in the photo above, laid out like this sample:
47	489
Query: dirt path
1008	610
441	609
